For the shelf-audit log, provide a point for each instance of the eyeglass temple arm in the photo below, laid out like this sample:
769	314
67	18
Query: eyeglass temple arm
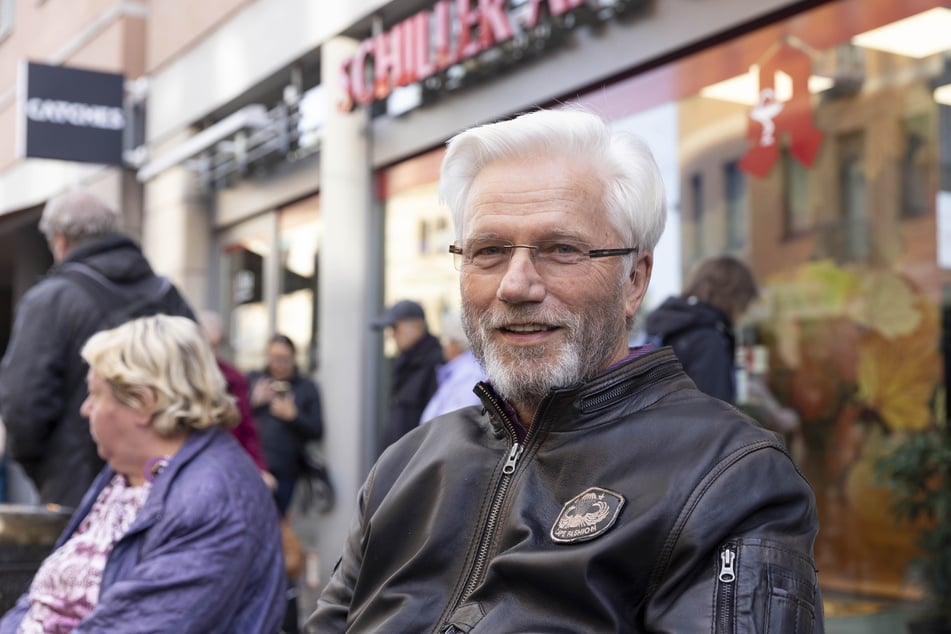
604	253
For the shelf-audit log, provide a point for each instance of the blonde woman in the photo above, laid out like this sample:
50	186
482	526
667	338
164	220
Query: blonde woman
178	533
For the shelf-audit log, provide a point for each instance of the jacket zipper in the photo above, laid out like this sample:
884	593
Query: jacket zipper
613	394
726	589
488	530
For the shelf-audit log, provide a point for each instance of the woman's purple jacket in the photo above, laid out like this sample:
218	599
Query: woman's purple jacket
203	556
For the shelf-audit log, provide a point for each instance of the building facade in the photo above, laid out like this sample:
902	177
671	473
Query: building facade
286	173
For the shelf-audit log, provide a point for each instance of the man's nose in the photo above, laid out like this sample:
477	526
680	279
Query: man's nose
521	281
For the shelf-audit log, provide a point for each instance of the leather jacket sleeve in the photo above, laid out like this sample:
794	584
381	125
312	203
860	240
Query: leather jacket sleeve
333	607
738	560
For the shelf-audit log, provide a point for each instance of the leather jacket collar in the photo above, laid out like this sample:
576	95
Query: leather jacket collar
625	388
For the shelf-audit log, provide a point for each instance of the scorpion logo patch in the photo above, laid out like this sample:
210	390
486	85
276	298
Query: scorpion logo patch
587	515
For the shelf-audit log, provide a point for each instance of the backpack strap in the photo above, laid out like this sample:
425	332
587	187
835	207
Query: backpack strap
108	296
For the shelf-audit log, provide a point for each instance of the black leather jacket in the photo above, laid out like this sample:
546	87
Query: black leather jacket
635	504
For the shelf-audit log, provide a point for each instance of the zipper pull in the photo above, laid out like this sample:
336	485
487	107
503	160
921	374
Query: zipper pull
727	571
514	454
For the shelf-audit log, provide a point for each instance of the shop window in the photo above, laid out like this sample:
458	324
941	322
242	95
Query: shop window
916	130
853	228
434	235
298	229
311	114
244	256
796	216
696	203
852	320
269	274
418	230
737	209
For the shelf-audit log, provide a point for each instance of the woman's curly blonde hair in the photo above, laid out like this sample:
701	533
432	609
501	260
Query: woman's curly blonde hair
169	357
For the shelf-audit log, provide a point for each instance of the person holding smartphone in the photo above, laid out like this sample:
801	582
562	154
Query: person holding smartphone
287	411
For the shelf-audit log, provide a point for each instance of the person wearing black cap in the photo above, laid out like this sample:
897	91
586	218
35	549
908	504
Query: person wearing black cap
414	370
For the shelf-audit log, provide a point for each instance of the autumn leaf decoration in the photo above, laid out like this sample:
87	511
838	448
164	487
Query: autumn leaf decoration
897	372
879	338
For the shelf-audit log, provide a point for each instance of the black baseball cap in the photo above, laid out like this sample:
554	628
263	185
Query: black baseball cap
405	309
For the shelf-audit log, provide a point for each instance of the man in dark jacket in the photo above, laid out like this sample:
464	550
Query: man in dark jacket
596	489
42	376
414	378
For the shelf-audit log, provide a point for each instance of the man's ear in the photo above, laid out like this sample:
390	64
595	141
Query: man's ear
59	247
637	282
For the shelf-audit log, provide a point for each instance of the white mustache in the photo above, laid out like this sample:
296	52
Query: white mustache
517	320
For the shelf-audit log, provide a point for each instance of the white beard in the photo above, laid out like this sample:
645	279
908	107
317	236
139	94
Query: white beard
525	375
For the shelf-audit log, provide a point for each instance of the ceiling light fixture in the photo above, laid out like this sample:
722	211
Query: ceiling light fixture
921	35
942	94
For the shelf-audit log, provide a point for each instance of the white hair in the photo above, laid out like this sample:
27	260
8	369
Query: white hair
633	190
78	215
453	330
169	357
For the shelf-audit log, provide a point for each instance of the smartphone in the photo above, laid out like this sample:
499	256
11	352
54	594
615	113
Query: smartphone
280	387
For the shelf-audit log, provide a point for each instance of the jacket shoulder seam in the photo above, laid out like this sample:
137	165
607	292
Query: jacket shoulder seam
660	567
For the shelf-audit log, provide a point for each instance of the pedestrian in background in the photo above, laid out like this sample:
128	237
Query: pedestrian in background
245	431
700	326
460	373
413	381
597	490
700	323
42	377
178	532
287	411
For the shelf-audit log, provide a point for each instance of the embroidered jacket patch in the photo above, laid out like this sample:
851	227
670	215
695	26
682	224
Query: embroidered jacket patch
587	516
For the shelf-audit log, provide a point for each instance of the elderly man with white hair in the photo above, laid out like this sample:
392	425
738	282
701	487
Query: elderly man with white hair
595	489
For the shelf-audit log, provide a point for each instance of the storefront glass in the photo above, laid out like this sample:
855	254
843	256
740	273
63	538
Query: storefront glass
270	285
834	120
418	233
299	226
245	252
812	149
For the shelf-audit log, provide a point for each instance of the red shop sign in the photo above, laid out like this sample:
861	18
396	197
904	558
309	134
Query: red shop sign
433	40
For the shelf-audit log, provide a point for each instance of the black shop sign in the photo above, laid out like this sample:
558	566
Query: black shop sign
71	114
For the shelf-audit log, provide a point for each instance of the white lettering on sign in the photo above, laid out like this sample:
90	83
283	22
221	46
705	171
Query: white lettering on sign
447	33
73	113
